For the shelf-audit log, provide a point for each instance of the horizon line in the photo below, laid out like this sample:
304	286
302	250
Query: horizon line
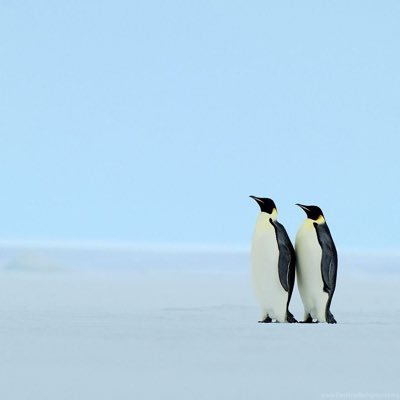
125	245
121	245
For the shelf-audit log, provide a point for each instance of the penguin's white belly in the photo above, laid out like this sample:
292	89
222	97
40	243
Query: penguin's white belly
265	275
309	275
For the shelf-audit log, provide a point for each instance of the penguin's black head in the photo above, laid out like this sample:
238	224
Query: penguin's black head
266	205
313	212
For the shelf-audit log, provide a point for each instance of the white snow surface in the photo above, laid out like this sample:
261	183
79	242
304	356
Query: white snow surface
149	324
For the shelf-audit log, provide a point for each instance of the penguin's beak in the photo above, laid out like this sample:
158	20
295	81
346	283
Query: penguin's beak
257	199
303	207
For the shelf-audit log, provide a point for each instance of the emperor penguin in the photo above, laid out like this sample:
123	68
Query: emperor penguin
316	267
273	263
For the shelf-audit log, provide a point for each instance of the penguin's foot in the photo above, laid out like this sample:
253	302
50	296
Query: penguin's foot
330	319
267	320
308	320
290	318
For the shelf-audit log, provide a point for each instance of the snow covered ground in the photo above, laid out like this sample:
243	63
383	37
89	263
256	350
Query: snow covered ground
126	323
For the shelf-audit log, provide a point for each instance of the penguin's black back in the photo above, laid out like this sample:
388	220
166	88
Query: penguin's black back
329	260
287	258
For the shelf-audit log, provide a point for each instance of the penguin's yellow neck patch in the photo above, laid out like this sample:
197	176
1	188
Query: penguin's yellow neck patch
309	223
274	214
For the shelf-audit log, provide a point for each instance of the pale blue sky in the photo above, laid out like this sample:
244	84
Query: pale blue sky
153	121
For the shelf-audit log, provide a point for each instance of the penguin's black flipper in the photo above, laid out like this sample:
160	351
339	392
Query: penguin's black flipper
287	258
329	261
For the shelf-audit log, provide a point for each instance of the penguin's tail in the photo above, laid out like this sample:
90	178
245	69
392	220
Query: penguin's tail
290	318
